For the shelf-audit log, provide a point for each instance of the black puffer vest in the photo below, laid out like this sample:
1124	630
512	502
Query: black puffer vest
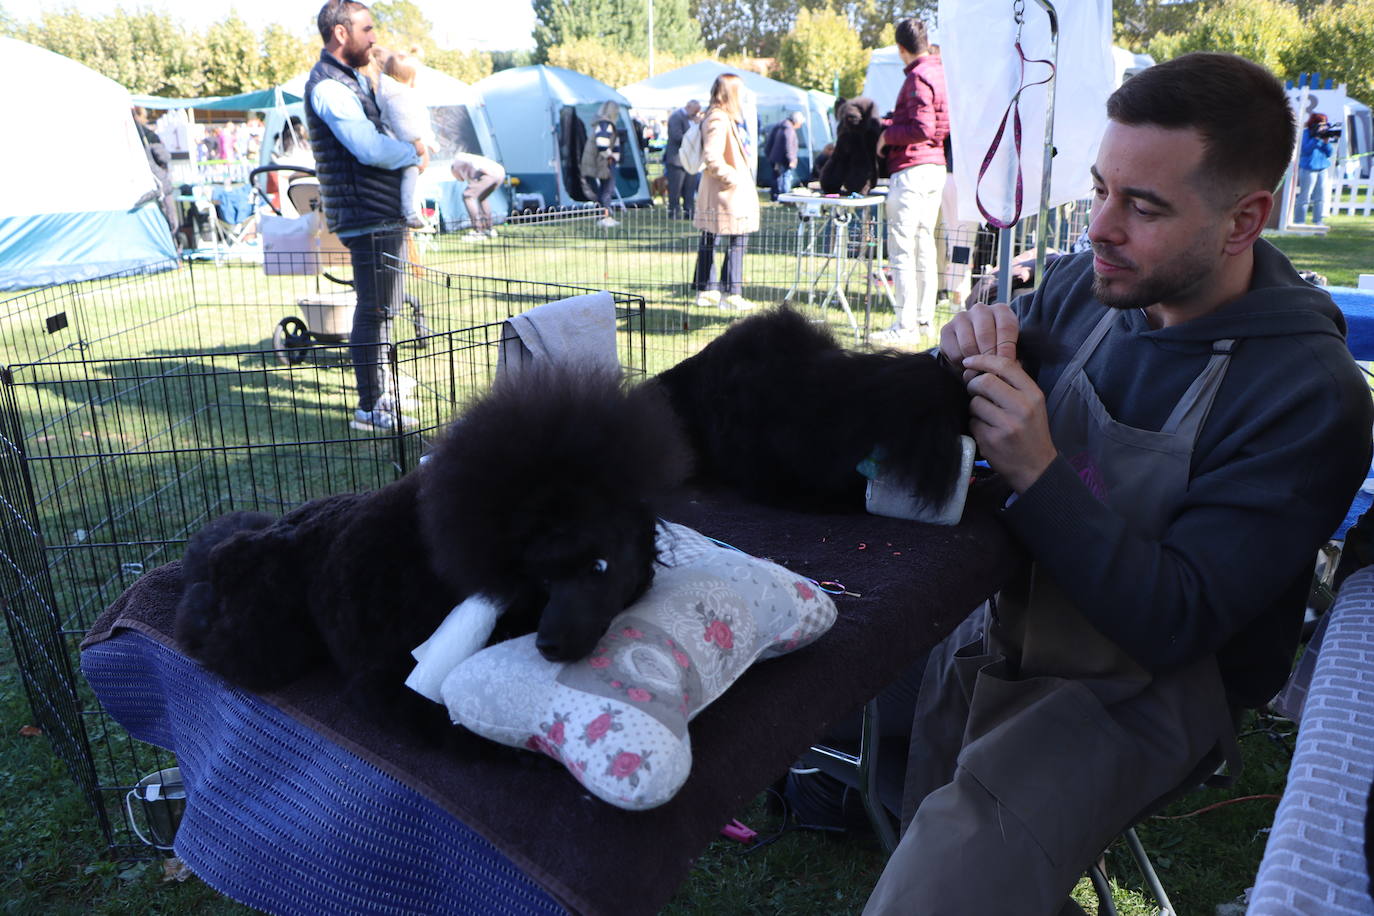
355	195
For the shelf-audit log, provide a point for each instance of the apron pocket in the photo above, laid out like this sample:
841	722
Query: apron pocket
1048	751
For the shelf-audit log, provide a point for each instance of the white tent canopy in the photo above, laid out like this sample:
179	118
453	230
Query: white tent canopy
771	99
71	210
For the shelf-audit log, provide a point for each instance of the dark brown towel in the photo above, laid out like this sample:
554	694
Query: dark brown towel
914	583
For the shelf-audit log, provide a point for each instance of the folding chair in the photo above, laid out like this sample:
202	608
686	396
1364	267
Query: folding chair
236	218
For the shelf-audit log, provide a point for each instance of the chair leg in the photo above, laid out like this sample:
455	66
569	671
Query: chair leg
1105	905
868	778
1147	870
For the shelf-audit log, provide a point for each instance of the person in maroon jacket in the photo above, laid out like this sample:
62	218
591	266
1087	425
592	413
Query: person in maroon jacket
913	142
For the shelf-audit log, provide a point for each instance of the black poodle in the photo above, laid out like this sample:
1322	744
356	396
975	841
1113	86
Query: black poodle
542	497
853	166
776	408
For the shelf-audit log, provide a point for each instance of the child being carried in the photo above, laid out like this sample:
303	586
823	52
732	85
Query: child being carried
406	118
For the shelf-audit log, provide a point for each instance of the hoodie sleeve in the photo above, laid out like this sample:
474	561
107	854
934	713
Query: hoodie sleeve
1285	447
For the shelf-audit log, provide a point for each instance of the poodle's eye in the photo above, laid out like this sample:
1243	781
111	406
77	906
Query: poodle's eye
600	566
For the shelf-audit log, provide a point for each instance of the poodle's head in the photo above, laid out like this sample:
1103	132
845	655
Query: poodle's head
545	493
856	114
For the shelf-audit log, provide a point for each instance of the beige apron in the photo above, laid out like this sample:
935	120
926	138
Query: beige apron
1056	730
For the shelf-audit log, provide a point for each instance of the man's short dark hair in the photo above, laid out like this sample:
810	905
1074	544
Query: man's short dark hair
911	35
1239	108
337	12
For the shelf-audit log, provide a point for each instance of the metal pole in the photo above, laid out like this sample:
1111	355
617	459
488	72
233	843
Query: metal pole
651	37
1047	168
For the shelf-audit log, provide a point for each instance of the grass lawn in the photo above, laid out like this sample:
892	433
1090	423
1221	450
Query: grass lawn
209	420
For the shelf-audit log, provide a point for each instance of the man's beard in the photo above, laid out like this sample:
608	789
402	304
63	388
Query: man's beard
357	58
1164	284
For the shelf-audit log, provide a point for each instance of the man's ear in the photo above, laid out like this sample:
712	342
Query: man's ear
340	34
1247	219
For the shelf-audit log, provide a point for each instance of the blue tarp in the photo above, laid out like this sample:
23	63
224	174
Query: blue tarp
48	248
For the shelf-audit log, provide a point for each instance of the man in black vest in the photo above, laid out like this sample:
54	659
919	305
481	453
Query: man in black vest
359	168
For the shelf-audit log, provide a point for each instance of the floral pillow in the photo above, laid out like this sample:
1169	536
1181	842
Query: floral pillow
618	718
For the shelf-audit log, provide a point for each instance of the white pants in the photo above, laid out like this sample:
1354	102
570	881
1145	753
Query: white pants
913	206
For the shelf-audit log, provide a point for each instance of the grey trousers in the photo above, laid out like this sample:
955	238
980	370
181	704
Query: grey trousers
1020	783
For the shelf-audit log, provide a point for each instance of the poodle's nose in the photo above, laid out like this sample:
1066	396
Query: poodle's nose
552	648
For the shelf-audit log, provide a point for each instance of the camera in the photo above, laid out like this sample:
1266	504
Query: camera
1330	131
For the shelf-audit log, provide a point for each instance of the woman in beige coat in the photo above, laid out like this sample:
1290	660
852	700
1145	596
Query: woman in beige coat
728	203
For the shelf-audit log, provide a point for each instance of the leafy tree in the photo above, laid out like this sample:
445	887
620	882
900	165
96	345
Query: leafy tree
468	66
599	60
619	24
505	60
1339	43
233	58
875	20
748	27
402	26
285	54
1265	31
821	46
1136	23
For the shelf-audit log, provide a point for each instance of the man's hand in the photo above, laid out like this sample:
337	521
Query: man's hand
979	331
1008	419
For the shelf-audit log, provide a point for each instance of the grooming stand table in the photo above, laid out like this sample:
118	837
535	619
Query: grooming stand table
295	805
836	214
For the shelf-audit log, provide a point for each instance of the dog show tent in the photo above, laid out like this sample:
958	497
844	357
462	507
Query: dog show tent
772	100
540	115
73	211
458	117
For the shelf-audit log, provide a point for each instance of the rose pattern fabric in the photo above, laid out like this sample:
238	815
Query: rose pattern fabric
617	720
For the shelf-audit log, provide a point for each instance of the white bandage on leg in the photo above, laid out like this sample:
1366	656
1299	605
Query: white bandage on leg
465	630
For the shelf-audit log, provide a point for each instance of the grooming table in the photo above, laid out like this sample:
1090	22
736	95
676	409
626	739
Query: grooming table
294	805
836	214
1315	859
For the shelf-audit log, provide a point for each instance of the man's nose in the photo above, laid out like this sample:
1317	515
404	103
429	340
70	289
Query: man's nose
1105	224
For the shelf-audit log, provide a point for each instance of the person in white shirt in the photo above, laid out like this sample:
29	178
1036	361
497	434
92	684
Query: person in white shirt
483	176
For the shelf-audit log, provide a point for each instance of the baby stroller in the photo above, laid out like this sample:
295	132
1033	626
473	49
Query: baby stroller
303	245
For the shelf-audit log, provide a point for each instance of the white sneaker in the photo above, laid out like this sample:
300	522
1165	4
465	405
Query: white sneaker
608	222
472	235
416	221
738	303
491	233
708	298
894	337
381	419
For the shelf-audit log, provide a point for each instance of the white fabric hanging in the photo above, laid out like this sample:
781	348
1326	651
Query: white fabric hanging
983	71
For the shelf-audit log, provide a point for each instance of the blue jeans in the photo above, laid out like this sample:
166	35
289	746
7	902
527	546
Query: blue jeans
377	281
1311	189
784	179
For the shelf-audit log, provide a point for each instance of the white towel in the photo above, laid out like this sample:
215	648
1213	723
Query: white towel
577	330
464	631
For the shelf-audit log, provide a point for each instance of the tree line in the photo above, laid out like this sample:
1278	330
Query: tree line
815	44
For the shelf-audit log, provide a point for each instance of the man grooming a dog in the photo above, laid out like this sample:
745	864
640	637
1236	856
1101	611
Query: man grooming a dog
913	142
1175	465
359	169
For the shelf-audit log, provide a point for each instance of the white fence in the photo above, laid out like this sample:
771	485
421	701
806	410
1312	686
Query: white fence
1353	196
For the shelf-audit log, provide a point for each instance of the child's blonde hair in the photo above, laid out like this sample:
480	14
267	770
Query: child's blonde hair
400	67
